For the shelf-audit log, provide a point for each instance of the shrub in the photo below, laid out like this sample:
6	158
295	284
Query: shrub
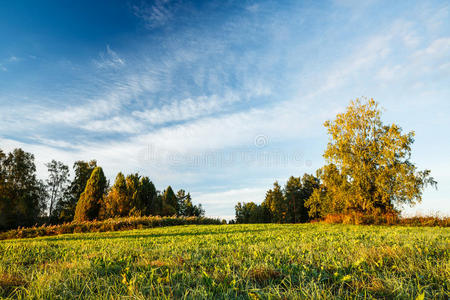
386	219
116	224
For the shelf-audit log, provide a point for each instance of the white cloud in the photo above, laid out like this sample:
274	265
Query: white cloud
411	39
435	18
222	202
99	109
253	8
431	58
388	73
437	49
154	15
115	124
231	196
13	58
56	143
187	109
109	59
283	120
42	153
374	51
445	66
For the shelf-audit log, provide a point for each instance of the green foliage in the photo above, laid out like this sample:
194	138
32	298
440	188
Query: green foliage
276	203
293	197
147	201
56	186
258	261
186	207
91	200
22	195
280	205
170	205
296	192
369	168
133	188
252	213
65	209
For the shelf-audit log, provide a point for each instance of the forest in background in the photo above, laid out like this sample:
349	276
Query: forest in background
26	200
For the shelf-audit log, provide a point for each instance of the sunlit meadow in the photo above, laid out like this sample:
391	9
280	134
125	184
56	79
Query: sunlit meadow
265	261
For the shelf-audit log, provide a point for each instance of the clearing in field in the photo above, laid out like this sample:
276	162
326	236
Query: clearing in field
231	261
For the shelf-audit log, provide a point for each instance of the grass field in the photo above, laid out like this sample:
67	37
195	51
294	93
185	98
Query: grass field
231	261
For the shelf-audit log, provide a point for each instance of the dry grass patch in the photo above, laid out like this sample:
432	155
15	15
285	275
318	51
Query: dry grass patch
179	260
159	263
263	273
373	284
58	265
9	282
377	255
376	285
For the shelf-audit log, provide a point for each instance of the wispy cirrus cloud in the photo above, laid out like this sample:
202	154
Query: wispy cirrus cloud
109	102
109	59
115	124
187	109
437	49
154	15
429	58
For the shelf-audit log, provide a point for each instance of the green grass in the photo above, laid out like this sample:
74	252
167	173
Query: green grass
231	261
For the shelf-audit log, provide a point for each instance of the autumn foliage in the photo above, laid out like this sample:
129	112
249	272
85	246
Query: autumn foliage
114	224
367	179
90	203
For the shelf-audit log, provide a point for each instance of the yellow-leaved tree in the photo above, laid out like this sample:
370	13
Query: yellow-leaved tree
368	166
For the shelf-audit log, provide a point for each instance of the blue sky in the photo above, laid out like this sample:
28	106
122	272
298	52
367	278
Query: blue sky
220	98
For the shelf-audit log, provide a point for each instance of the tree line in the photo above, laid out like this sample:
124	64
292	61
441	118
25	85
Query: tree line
26	200
368	171
281	204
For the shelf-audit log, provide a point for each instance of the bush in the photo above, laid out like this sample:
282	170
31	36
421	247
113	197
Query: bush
116	224
386	219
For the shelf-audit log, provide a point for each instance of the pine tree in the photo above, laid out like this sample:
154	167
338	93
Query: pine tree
65	209
276	203
309	184
169	202
293	197
146	198
185	205
117	203
91	200
133	188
